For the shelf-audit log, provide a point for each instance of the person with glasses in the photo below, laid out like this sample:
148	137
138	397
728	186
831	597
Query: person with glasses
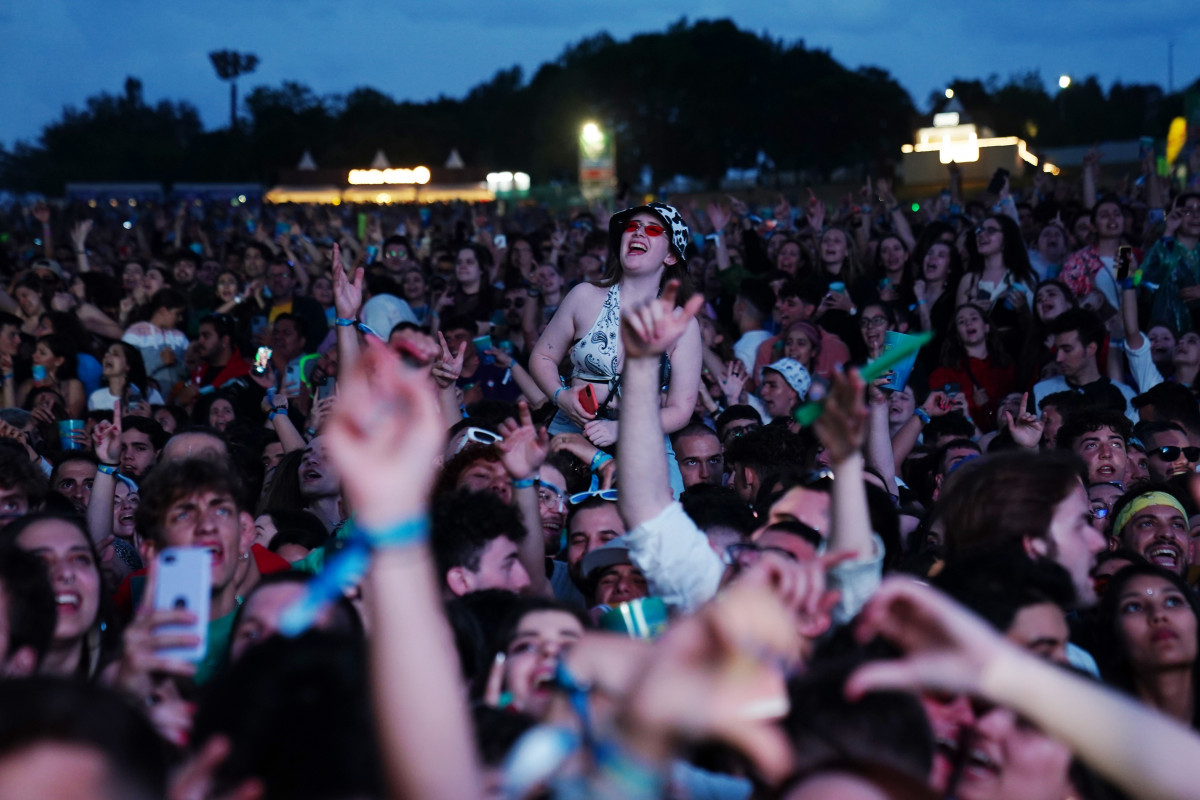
998	267
552	501
737	421
647	247
1102	497
1173	264
874	322
1169	451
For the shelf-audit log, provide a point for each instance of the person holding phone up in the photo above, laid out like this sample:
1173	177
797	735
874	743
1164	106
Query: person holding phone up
647	247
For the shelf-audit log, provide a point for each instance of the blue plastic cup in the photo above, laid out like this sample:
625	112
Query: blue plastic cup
66	428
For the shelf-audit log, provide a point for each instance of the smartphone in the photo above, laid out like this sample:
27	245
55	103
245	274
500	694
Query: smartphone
587	399
1124	259
261	359
282	228
185	582
500	240
952	389
997	182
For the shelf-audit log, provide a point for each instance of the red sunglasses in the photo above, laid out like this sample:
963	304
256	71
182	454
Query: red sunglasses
651	229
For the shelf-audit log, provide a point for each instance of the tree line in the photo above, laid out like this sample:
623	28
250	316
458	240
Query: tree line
695	99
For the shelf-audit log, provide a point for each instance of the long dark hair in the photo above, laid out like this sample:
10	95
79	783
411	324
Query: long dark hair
1016	258
102	642
135	368
954	355
1111	649
61	345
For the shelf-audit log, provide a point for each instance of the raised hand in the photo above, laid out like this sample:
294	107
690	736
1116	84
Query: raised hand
79	233
140	659
883	190
384	435
843	426
727	654
739	207
718	216
945	647
449	366
783	212
816	212
654	328
1026	429
524	447
733	381
106	438
347	294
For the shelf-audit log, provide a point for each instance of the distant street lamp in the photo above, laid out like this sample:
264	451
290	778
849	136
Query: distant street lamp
592	135
1064	81
229	65
949	94
597	162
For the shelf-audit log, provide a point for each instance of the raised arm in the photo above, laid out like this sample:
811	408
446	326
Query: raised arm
883	189
947	648
79	235
523	450
647	333
347	302
841	429
384	436
106	441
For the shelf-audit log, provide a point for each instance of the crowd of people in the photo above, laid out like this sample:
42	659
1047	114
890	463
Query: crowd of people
502	502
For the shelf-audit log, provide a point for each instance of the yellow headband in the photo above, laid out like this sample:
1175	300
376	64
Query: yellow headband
1141	503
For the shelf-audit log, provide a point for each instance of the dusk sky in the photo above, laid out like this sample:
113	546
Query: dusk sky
59	52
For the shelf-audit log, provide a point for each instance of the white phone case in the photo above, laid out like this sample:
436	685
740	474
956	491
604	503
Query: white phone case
185	582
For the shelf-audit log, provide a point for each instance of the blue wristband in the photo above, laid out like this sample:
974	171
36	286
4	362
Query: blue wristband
345	323
921	415
207	389
557	392
405	533
524	483
600	459
106	469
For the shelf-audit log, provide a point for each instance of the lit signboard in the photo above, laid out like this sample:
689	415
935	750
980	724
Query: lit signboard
367	177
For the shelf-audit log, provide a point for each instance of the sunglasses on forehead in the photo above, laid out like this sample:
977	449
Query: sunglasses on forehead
1170	452
479	436
650	228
